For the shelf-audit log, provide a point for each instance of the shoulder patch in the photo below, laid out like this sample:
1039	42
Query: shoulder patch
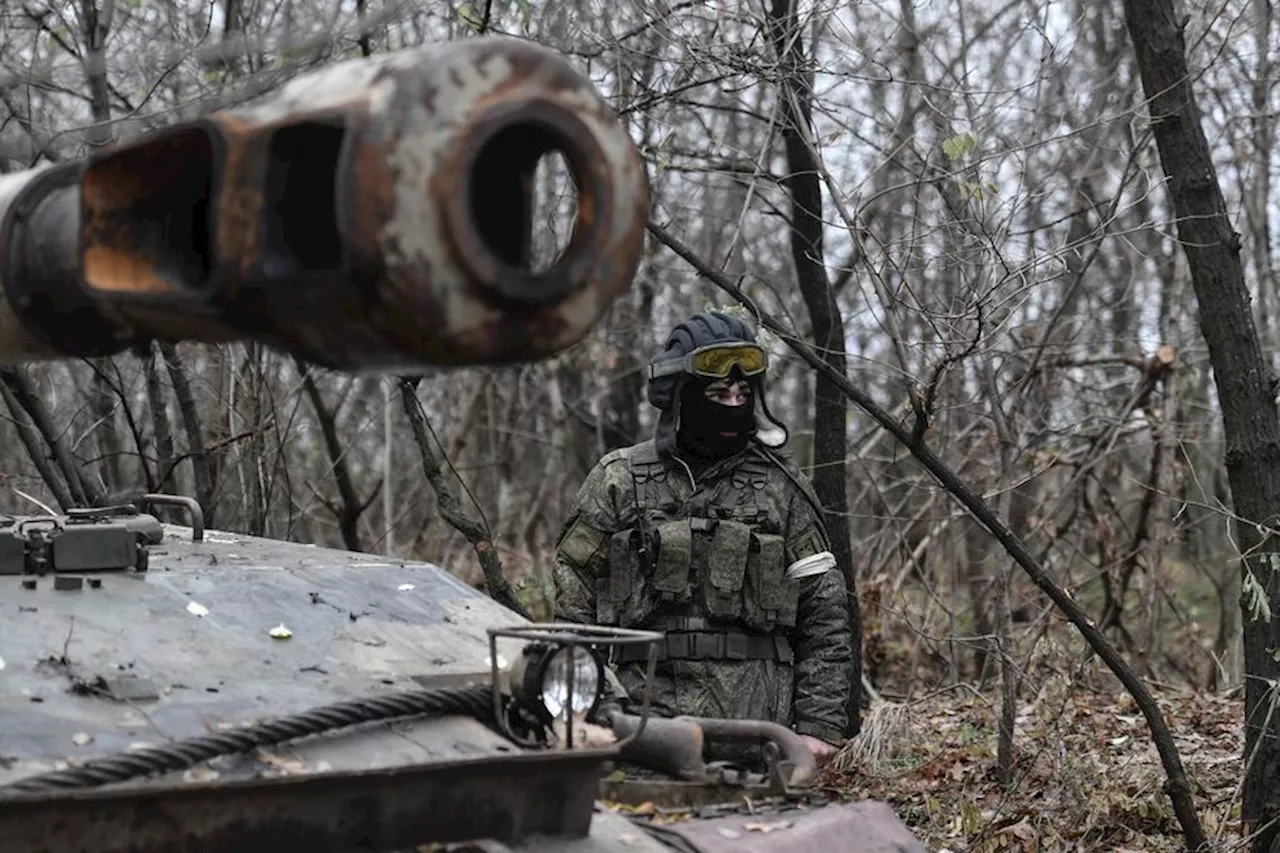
580	543
809	543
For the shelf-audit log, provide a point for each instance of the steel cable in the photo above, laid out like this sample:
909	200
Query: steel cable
476	702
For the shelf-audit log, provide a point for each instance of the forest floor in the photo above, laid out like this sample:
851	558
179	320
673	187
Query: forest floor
1087	776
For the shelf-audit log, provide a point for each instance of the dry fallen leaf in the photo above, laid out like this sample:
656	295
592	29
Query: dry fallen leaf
82	738
197	609
405	587
726	832
280	632
766	826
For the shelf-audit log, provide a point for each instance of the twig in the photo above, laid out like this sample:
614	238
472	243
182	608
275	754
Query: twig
44	506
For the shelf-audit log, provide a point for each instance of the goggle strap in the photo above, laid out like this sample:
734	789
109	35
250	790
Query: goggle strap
666	368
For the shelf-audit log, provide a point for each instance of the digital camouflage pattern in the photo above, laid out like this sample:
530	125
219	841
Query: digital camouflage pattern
730	571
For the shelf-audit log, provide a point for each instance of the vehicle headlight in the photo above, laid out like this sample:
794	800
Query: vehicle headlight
558	679
552	679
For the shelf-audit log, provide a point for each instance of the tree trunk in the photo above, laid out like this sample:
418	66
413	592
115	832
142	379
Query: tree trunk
160	425
804	184
201	470
1246	388
39	456
349	507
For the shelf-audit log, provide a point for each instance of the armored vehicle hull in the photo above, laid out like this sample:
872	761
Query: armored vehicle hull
187	647
118	676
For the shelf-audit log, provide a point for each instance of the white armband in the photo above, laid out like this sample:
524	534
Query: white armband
816	564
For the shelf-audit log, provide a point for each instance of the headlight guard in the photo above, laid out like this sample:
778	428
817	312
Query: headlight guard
546	680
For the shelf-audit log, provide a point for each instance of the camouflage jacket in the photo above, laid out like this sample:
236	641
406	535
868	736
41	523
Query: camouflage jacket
741	550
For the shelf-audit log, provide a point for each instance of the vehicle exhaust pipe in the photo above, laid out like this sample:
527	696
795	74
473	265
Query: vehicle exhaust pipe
374	215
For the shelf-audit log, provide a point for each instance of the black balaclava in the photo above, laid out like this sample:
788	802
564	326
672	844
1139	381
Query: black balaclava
687	412
704	422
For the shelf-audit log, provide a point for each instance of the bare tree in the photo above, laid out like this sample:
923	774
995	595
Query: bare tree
1246	385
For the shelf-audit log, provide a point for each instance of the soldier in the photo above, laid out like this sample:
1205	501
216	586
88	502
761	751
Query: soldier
706	533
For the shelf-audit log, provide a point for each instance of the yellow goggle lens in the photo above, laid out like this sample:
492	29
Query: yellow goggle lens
719	361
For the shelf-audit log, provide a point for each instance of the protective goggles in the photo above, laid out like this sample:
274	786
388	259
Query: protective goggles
715	361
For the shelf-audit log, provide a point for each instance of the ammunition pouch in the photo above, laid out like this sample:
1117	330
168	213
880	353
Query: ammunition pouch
674	544
771	599
613	585
726	560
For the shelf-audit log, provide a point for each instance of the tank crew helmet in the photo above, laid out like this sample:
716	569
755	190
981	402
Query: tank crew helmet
708	381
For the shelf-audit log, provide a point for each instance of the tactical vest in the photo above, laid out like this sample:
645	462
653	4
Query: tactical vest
714	563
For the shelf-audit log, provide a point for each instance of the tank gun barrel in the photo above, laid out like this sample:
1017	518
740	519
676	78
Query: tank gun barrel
374	215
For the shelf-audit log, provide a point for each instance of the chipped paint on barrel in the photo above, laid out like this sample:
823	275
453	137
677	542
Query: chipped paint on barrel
414	234
413	239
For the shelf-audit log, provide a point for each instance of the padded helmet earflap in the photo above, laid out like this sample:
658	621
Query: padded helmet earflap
770	431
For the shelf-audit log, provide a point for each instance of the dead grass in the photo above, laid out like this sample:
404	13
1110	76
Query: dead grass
1088	776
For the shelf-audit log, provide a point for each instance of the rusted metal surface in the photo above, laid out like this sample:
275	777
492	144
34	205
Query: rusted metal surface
675	747
372	215
41	277
503	797
670	795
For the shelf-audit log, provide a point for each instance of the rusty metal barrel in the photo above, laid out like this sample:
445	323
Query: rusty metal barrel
373	215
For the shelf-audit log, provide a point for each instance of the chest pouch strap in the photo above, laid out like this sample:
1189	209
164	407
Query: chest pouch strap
675	552
649	479
726	567
753	474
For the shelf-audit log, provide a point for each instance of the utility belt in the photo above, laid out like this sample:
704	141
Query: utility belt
693	638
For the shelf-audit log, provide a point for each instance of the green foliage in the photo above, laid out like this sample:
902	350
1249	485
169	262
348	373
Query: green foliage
969	189
958	146
470	19
1255	592
537	595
